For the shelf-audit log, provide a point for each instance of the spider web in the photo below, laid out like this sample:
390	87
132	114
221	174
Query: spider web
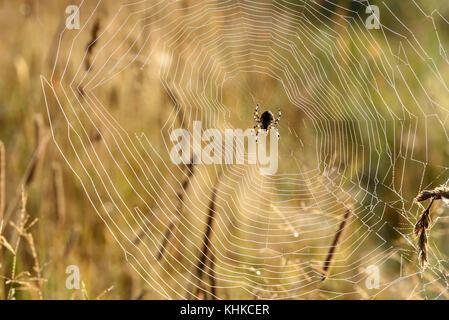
364	129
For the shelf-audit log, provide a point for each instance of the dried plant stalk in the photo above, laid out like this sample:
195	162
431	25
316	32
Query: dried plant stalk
58	192
169	231
93	41
212	278
437	194
420	230
19	227
24	280
338	235
190	171
37	269
89	50
422	226
40	143
41	138
165	240
206	248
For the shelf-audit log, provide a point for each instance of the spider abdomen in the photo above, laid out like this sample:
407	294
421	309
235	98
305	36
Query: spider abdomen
266	119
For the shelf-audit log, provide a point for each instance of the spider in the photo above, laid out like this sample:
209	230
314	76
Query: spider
266	120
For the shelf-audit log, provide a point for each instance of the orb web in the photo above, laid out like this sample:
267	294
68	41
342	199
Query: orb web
363	131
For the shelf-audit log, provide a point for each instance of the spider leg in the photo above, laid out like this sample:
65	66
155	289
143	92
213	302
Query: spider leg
273	126
256	113
279	117
257	126
258	130
257	119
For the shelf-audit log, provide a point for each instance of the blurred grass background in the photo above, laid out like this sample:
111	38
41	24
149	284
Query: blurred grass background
69	232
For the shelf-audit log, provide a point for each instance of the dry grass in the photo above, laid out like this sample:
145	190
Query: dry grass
42	187
179	211
26	280
58	193
422	226
41	138
335	242
207	256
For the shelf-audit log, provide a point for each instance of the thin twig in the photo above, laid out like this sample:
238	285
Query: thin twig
58	192
212	278
40	144
179	209
41	138
335	243
206	249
